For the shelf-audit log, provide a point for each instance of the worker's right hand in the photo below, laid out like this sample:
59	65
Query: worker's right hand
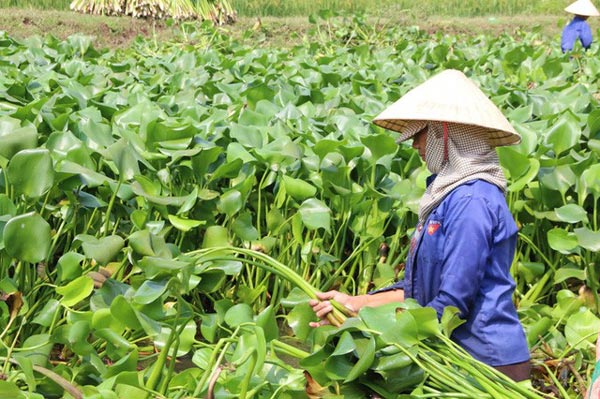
322	306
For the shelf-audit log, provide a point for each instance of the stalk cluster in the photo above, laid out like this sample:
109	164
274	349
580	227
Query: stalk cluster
218	11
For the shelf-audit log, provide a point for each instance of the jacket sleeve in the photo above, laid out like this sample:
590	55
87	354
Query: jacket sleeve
469	225
586	36
568	38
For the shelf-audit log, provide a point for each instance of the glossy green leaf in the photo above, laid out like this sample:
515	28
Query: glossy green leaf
562	240
46	316
103	250
185	224
298	319
563	135
298	189
69	266
345	345
588	239
566	273
243	228
571	213
149	291
383	318
215	236
17	235
267	321
230	202
582	329
37	349
127	363
238	314
365	353
31	172
186	338
14	137
315	214
76	290
122	310
155	266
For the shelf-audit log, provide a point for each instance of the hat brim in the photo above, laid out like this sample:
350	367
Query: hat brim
448	97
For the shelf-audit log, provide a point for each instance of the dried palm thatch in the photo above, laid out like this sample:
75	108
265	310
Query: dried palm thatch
218	11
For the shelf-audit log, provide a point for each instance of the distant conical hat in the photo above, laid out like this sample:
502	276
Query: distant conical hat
583	7
451	97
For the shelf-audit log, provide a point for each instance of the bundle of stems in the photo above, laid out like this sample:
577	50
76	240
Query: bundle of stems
265	262
448	367
98	7
218	11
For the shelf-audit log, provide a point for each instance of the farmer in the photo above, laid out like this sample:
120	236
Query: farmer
463	245
578	28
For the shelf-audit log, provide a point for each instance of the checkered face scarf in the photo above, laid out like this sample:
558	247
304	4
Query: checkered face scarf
469	157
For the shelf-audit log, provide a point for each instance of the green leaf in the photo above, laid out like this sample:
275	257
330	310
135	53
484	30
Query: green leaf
150	291
298	320
69	266
562	241
212	280
31	172
230	202
76	291
450	320
37	349
103	250
127	363
380	145
571	213
243	228
563	135
14	138
18	233
566	273
45	317
582	329
315	214
238	314
186	225
588	239
298	189
122	310
215	236
383	318
365	352
345	345
186	338
267	321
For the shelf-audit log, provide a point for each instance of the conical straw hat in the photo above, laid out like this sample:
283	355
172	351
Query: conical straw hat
449	97
583	7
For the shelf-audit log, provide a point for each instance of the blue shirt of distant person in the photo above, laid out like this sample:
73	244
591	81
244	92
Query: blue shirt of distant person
461	256
578	28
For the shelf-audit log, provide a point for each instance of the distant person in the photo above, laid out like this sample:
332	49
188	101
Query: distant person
578	28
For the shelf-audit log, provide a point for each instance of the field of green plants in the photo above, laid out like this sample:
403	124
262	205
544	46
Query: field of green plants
167	210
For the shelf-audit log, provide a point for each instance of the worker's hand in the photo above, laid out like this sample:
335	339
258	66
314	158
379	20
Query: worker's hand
322	306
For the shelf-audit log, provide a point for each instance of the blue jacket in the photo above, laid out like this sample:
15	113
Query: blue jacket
461	256
576	29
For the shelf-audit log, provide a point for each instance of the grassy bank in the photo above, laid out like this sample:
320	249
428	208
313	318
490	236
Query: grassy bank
422	8
119	32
